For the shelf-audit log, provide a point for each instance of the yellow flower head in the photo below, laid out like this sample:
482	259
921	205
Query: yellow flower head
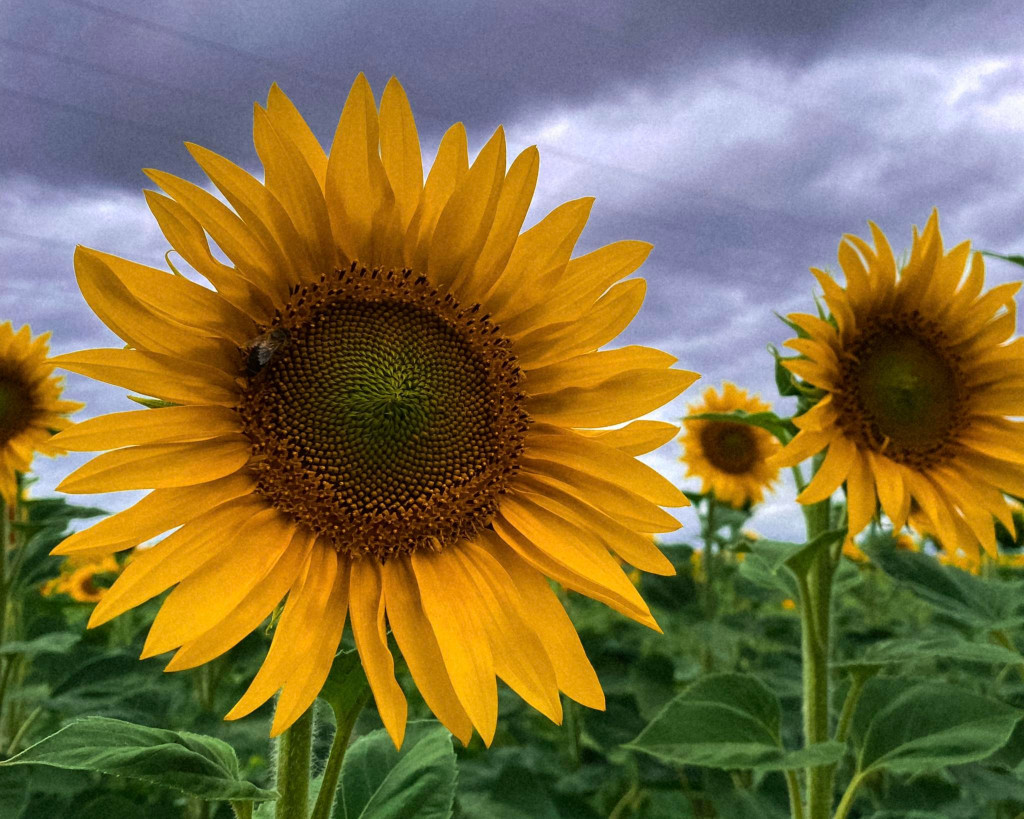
919	376
731	459
30	404
789	604
78	579
388	408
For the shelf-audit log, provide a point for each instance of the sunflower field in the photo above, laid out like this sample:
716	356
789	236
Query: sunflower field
400	557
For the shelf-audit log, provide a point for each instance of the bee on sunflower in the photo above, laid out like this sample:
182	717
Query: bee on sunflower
421	449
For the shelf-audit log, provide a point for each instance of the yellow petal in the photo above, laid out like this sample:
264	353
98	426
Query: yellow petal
562	446
176	557
159	466
400	150
164	425
636	549
357	188
573	671
618	399
231	234
519	657
443	588
293	639
287	119
366	600
466	219
304	684
293	182
159	511
188	238
891	490
831	473
803	446
254	608
636	438
450	165
627	507
213	591
419	647
860	493
591	369
604	321
837	300
513	203
162	376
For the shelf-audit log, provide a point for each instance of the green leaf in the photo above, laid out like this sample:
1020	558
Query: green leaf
56	642
779	553
721	721
781	428
906	650
197	765
958	595
823	753
1015	258
418	782
14	792
932	725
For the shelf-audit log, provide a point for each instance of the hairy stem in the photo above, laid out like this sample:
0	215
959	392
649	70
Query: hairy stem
293	757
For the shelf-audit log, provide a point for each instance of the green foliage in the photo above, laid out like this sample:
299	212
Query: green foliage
196	765
418	782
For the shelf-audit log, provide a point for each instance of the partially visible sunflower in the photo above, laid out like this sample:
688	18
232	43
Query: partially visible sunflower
377	415
30	405
920	381
79	579
731	459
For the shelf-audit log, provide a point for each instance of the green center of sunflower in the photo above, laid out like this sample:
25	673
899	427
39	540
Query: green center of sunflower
15	406
383	415
900	390
729	447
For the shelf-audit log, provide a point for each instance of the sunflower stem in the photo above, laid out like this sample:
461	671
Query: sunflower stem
815	621
346	712
293	758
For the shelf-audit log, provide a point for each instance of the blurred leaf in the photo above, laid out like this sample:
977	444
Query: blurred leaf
56	642
932	725
907	650
979	603
1016	259
193	764
418	782
721	721
14	792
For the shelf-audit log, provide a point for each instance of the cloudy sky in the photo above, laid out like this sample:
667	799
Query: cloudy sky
741	137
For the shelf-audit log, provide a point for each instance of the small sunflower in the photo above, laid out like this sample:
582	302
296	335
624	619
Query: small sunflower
919	376
79	579
30	405
731	459
389	409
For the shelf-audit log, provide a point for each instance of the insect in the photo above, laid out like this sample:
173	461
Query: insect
262	349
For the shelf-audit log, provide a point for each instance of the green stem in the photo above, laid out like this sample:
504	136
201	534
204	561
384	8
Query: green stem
860	679
12	749
815	621
243	810
847	801
293	756
346	720
796	800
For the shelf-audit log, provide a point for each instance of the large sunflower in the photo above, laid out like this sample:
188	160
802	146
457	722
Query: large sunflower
917	375
730	458
30	405
376	415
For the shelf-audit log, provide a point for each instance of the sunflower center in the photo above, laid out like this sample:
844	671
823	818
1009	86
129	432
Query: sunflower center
15	406
383	415
900	390
728	446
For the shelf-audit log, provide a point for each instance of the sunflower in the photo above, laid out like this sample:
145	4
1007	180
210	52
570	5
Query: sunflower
376	413
731	459
79	579
30	405
917	375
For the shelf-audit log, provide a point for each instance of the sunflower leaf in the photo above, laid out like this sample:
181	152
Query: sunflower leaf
931	725
726	721
902	651
379	782
197	765
1015	258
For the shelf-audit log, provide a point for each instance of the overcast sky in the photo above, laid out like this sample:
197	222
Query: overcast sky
741	137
